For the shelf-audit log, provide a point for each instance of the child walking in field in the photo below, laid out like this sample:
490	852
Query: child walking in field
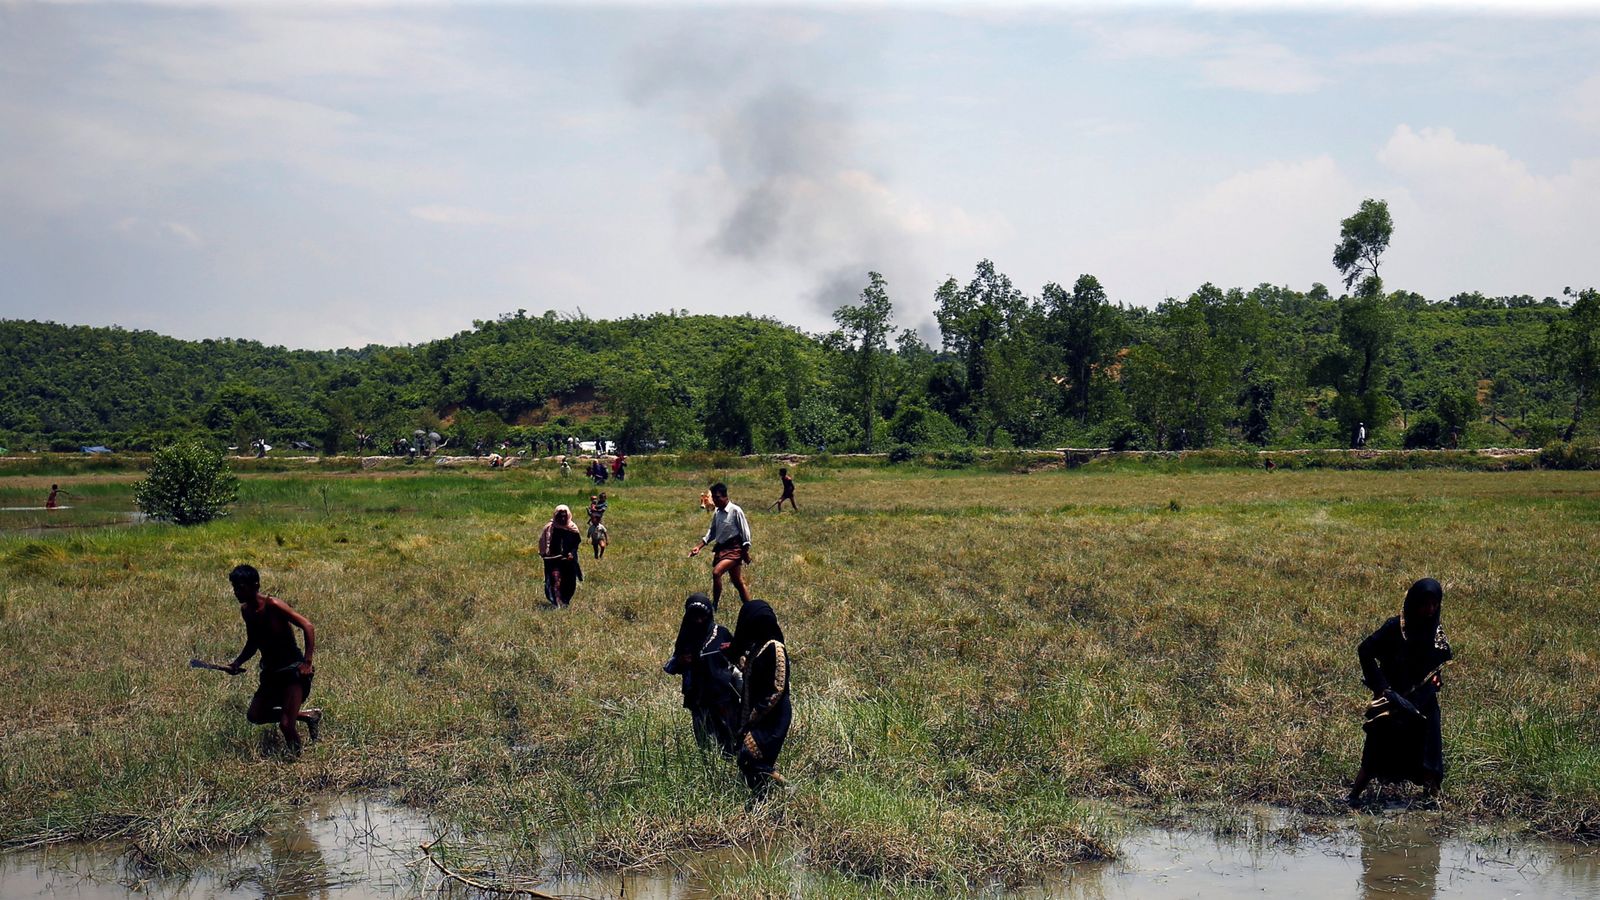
788	492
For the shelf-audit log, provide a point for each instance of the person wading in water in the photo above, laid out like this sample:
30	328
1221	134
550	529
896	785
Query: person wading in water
1400	663
286	673
729	536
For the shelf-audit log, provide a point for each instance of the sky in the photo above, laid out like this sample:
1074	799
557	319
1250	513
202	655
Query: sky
323	176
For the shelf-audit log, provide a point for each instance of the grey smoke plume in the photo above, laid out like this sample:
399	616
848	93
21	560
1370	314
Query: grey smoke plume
792	185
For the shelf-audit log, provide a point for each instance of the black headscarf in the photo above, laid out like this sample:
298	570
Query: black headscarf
699	624
1416	626
757	624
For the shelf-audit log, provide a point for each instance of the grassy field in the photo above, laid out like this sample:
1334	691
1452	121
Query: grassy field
991	670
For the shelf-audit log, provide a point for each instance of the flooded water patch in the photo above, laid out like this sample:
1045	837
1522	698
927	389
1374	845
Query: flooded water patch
356	849
348	849
1370	857
35	521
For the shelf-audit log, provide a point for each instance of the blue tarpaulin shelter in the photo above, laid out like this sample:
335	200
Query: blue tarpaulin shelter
95	449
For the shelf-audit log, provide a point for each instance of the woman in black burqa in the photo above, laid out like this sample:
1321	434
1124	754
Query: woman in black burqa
710	682
1400	663
764	725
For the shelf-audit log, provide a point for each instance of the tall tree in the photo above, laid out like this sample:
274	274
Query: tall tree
1367	319
1362	239
1177	379
983	324
866	332
1081	327
1574	351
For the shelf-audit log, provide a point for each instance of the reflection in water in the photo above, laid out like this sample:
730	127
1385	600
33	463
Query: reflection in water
1397	860
354	850
294	867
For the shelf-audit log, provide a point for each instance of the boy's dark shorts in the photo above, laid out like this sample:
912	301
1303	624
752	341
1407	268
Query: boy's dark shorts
270	690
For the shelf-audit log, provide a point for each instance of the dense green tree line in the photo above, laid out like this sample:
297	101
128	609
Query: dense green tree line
1267	366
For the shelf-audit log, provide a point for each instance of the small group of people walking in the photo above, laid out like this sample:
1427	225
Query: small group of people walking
559	543
735	686
619	469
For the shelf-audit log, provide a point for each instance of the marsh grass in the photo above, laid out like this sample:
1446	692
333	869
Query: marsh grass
986	665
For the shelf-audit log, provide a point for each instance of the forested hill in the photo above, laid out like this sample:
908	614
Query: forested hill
1268	367
65	380
61	385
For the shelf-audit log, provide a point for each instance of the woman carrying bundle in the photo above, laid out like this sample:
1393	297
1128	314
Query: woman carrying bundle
758	642
1400	663
558	545
710	682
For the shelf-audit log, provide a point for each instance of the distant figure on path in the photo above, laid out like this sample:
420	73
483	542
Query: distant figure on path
758	643
1360	436
51	501
286	673
566	467
1400	662
729	536
710	682
788	492
618	466
558	546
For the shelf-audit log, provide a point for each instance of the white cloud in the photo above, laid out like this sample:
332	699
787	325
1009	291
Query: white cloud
1583	104
1263	67
1238	60
1473	217
443	214
153	102
1402	53
1148	40
161	232
1274	223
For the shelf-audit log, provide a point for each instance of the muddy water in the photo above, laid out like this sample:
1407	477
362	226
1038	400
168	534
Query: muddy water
352	850
37	521
1373	857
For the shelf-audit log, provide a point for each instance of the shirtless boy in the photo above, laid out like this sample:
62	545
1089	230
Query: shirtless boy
286	673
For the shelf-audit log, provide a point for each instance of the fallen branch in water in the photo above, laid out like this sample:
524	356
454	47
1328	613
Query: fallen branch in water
427	850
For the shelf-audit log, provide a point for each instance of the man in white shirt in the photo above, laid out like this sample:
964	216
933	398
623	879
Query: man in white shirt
729	537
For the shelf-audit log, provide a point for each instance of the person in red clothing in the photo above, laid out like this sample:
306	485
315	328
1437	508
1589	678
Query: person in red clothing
618	466
53	501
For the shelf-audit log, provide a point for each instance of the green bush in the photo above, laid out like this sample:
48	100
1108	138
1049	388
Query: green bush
916	425
1426	432
1570	455
188	483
